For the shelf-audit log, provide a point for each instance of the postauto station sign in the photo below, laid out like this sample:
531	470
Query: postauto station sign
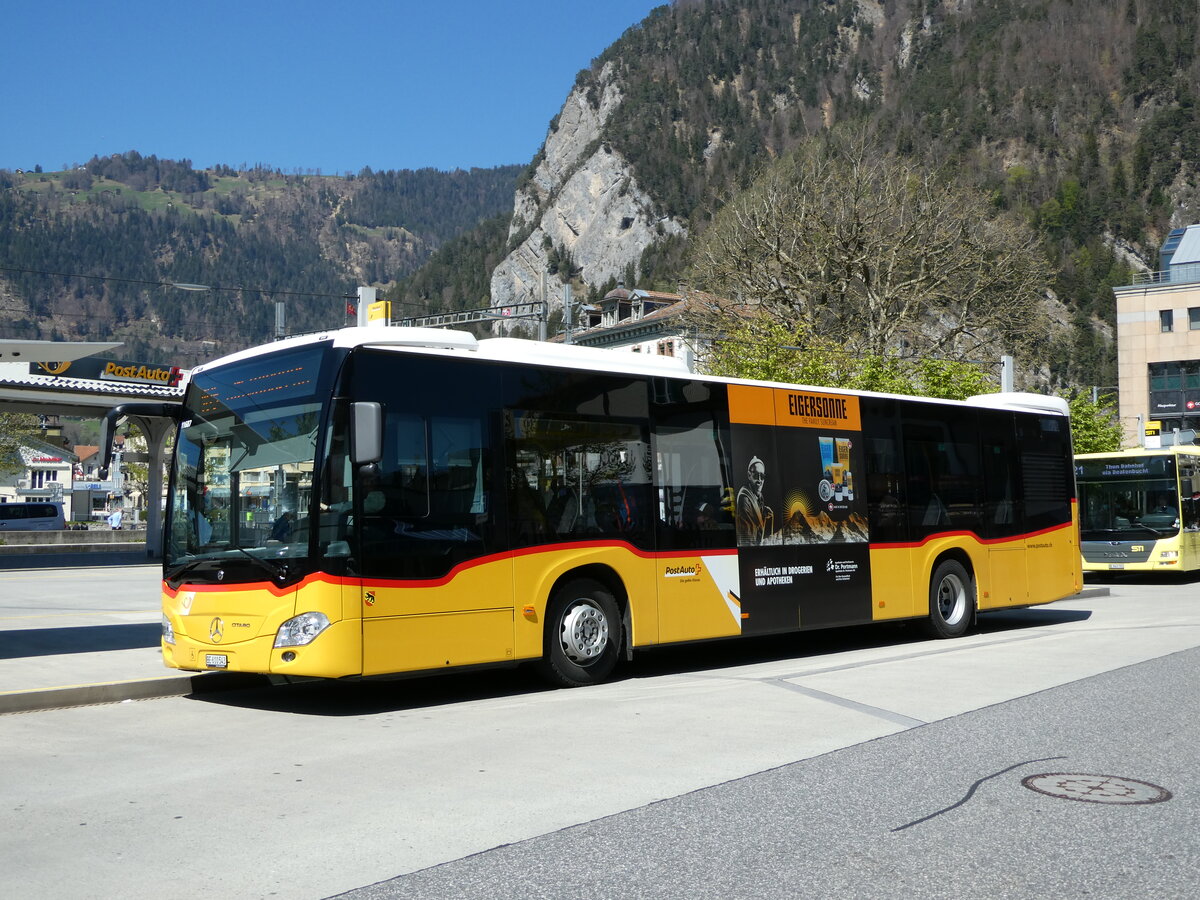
112	370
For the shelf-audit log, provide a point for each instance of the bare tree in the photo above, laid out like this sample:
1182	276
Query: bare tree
878	255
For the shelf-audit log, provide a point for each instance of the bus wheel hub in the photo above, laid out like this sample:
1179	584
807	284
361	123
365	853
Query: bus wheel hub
584	633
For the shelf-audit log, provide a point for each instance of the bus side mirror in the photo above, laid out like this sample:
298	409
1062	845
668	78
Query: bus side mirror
366	426
118	414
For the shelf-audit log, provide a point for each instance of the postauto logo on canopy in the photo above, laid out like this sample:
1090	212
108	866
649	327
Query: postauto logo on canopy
112	370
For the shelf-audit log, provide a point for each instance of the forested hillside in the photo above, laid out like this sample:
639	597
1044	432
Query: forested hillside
129	222
1082	117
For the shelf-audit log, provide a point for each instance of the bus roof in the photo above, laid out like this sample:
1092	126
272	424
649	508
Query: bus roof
450	341
446	341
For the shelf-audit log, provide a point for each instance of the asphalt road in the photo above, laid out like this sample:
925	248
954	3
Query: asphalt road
936	811
857	762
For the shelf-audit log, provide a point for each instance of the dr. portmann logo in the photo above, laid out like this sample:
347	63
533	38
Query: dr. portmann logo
841	566
682	571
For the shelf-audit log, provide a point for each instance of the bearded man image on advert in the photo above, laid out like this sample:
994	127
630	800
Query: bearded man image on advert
755	520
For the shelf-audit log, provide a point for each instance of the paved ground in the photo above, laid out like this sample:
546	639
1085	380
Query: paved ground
71	635
858	762
943	810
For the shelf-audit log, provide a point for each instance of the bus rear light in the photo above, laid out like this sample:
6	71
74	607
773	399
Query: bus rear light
302	629
168	633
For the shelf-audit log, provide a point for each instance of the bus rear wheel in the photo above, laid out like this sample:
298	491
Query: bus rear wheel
951	600
583	634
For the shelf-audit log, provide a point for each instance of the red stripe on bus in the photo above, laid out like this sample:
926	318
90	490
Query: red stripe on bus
441	580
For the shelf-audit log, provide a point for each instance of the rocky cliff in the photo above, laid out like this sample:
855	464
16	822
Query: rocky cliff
582	203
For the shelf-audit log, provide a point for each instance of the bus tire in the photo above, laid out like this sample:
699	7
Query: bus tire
583	634
951	600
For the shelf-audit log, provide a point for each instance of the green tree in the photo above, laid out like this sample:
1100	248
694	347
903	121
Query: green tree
15	430
758	347
1095	427
952	379
763	349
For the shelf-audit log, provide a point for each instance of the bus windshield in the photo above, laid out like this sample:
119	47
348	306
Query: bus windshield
243	476
1122	500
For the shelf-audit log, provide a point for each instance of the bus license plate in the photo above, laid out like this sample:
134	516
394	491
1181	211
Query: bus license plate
216	660
1116	565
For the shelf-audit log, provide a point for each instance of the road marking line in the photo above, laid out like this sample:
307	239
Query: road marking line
877	712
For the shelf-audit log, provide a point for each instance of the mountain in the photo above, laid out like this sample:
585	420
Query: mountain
1082	117
122	225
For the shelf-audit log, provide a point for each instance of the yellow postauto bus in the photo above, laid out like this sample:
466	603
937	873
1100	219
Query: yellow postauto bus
1140	509
375	501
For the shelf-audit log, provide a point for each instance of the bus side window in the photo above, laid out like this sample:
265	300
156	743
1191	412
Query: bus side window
573	478
885	479
458	465
942	461
1189	496
403	484
1002	507
1044	443
694	494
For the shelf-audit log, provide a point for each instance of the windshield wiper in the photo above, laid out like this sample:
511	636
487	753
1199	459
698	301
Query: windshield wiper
279	573
184	567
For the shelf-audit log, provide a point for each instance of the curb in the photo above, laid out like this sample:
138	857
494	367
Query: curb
119	691
84	559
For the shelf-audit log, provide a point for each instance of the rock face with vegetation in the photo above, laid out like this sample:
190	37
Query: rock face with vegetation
581	212
1081	120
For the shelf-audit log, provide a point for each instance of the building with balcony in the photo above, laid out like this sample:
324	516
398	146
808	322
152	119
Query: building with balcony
637	321
641	321
1158	344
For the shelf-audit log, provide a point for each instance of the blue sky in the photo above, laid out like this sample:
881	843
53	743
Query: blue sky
298	85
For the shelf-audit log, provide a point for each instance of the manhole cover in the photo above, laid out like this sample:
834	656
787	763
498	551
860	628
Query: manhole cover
1096	788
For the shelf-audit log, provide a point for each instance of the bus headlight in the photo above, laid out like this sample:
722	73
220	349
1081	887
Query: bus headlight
168	633
302	629
1169	554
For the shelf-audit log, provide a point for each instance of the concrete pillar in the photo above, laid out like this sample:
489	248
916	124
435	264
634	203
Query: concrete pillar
156	431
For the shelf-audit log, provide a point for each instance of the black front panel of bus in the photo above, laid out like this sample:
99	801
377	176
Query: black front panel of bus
430	505
481	457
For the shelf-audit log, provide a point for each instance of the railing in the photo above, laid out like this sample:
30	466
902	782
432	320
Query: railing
1181	274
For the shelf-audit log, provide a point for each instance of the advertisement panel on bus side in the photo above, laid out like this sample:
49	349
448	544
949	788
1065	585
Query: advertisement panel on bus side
803	551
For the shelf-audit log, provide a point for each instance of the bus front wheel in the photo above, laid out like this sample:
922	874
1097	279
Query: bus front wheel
583	634
951	600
